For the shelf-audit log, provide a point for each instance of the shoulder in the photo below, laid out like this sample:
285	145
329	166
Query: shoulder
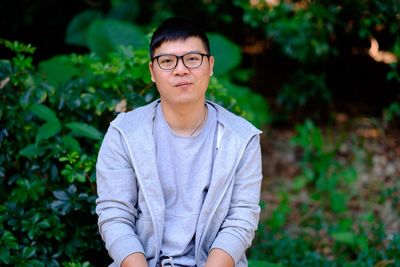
129	121
234	123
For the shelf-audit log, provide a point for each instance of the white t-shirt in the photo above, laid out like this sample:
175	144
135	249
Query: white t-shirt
185	166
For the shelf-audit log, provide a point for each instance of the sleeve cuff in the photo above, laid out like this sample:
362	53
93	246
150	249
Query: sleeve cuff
124	247
230	244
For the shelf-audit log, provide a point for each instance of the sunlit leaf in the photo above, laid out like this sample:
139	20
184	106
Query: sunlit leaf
345	237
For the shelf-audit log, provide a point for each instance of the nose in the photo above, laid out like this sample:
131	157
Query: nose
180	68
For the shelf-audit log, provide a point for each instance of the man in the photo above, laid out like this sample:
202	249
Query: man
179	179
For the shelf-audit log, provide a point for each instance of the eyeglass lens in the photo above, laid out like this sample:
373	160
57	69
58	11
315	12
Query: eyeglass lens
192	60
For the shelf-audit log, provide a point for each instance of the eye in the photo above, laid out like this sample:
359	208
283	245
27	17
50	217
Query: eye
165	60
192	58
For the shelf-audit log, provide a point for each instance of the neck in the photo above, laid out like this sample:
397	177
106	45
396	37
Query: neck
185	120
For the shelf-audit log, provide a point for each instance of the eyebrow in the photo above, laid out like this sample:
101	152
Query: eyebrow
189	52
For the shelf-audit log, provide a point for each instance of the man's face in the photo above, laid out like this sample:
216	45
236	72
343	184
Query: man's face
182	85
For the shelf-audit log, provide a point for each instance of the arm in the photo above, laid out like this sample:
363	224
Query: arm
219	258
238	229
135	260
117	198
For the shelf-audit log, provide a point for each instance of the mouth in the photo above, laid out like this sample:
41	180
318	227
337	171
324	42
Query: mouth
183	84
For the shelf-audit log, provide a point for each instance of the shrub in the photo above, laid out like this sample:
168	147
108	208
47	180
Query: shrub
321	218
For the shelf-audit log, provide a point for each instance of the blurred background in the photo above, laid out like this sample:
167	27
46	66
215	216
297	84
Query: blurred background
320	78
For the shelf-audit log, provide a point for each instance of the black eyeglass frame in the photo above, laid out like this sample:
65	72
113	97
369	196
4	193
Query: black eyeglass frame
181	57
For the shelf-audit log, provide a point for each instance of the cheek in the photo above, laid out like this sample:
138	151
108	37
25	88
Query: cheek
205	78
158	77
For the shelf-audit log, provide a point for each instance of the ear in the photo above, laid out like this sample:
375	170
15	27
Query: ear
151	72
211	61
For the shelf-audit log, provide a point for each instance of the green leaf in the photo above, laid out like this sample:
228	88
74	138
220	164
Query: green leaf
71	143
58	70
85	130
77	29
227	54
36	263
299	182
349	175
255	106
8	240
5	256
28	252
348	238
257	263
61	195
104	36
32	150
44	224
362	242
47	130
338	202
5	71
44	112
126	11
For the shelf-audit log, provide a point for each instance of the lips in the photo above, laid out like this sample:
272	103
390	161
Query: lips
183	84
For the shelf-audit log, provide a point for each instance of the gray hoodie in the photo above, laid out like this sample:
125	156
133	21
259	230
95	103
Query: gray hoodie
130	202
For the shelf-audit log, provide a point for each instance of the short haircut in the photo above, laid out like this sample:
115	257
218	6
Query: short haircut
174	29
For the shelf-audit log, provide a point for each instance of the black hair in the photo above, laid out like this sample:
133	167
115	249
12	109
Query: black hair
174	29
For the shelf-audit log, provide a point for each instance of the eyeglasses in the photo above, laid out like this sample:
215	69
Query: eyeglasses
190	60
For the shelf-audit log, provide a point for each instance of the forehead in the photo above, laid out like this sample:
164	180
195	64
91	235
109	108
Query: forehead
180	46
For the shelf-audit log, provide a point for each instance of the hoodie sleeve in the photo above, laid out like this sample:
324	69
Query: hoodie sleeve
238	229
117	198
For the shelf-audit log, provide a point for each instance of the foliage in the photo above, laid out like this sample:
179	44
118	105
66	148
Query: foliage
304	90
321	170
392	112
314	33
317	221
327	40
283	22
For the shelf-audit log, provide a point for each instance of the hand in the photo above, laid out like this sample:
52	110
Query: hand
135	260
219	258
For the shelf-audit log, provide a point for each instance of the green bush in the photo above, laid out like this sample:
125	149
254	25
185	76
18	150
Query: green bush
314	222
312	34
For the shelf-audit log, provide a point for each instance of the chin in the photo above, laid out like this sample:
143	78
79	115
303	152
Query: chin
186	100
